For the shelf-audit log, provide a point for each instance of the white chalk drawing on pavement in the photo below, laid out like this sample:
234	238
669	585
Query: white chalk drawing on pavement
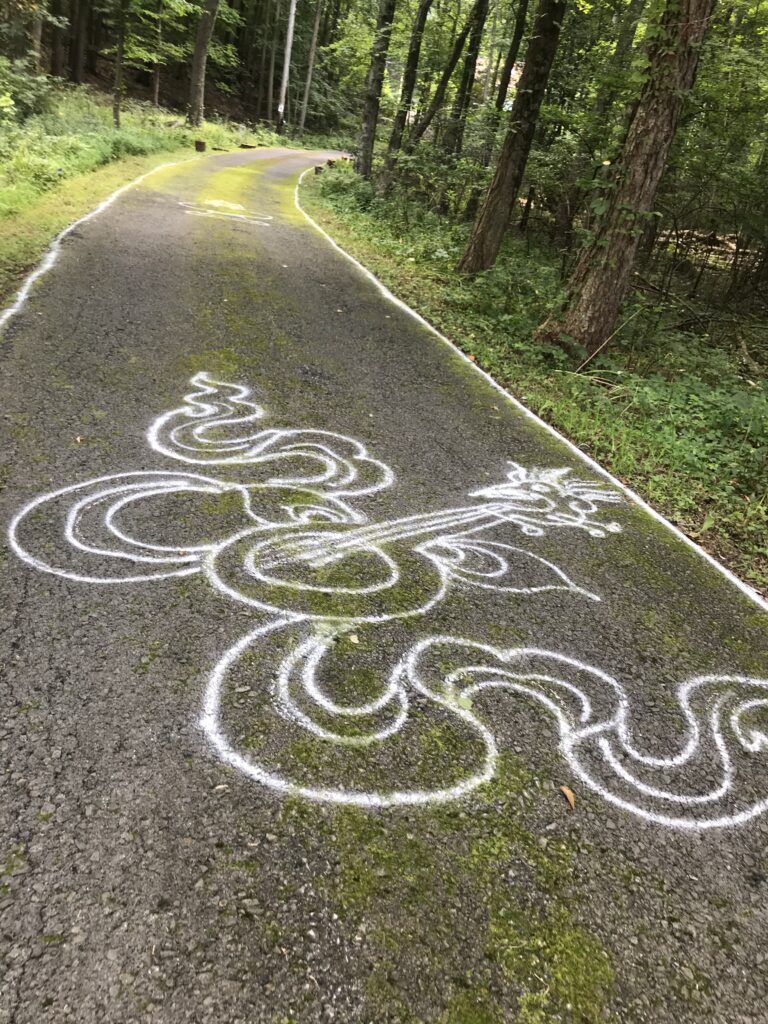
222	209
304	553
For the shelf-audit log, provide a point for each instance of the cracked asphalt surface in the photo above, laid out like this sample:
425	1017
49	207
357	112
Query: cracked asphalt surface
143	878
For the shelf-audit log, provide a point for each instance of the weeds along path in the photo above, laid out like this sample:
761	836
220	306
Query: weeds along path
338	687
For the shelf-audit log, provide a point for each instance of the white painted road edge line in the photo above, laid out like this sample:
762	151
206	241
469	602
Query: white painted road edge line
743	587
54	248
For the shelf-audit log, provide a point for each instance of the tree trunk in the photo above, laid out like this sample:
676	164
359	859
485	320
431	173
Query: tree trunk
573	198
159	45
522	227
491	224
199	60
512	54
626	38
454	134
117	94
286	65
311	65
263	59
93	41
374	84
272	61
35	42
495	116
490	67
330	23
409	79
79	40
442	86
57	40
602	276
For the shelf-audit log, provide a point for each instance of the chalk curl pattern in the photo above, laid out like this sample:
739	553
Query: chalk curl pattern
304	553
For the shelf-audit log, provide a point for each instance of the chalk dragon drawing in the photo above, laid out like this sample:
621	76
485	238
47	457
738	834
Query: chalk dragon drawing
315	569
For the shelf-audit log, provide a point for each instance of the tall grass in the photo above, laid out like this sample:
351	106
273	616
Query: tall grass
74	134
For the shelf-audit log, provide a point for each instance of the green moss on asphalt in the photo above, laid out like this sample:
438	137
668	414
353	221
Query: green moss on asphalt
13	863
408	879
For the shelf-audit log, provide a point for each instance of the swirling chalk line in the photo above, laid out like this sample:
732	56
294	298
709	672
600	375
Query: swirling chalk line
539	676
304	552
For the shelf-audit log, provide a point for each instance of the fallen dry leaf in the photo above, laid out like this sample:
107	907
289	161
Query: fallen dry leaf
472	359
568	794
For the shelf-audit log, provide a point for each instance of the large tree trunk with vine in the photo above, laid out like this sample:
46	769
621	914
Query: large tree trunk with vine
491	224
602	276
409	79
199	60
373	87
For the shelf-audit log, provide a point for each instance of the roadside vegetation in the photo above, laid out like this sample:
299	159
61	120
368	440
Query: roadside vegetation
680	416
60	155
70	132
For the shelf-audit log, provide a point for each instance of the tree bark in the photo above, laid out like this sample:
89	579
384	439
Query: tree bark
199	60
512	54
286	65
117	93
491	224
57	41
36	41
374	84
602	275
490	68
159	44
263	58
454	134
311	65
272	61
409	79
79	41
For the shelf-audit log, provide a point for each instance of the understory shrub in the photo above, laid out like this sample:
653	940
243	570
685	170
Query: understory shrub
681	416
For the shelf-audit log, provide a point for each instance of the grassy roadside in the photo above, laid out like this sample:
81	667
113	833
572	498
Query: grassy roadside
58	164
681	418
25	236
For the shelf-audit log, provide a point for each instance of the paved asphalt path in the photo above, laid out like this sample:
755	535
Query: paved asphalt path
288	700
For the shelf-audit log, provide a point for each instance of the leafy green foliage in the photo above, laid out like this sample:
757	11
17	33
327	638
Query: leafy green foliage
22	91
75	134
682	417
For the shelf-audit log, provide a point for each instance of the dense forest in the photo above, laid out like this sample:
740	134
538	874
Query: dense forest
588	180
